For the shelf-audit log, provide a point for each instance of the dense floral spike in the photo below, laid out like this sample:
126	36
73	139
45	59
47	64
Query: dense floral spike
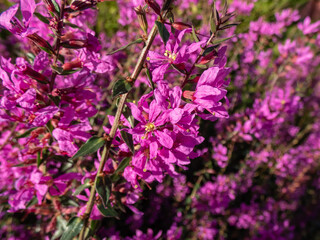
243	174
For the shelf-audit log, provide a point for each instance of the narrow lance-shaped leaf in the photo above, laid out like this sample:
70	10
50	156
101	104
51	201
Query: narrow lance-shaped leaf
55	99
41	18
139	40
91	146
221	40
213	26
229	26
194	34
164	34
127	138
73	228
60	71
56	6
128	115
26	133
123	164
202	66
225	7
208	50
107	212
149	75
103	188
216	17
120	87
82	187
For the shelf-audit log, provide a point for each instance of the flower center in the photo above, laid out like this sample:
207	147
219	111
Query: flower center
150	127
170	55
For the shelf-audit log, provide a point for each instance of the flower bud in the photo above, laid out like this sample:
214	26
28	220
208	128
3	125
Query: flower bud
32	73
142	18
154	5
80	5
188	95
40	42
71	65
180	26
49	5
208	57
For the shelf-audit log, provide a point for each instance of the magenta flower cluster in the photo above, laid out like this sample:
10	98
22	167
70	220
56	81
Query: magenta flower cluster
209	130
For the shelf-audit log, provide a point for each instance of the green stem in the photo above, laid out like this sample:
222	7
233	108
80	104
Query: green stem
57	43
115	125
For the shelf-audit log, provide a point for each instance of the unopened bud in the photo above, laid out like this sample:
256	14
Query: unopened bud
181	26
154	5
49	5
40	42
71	65
208	57
188	95
74	43
32	73
80	5
142	18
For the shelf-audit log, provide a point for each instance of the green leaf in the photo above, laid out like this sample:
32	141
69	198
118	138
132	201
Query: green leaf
107	212
47	50
225	7
61	58
26	133
71	25
120	87
149	75
139	40
94	226
68	72
50	127
123	164
103	188
59	158
221	40
202	66
229	26
128	115
55	99
32	202
82	187
60	228
39	161
213	26
164	34
90	146
41	18
56	6
67	45
60	70
31	57
208	50
194	35
215	14
127	138
74	227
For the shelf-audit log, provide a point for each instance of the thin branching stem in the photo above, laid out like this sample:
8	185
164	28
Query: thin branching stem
115	125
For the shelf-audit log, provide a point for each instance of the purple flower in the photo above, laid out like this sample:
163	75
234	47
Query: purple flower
210	90
307	27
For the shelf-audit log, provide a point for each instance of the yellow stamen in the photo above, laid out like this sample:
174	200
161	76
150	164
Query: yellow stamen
150	127
170	55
